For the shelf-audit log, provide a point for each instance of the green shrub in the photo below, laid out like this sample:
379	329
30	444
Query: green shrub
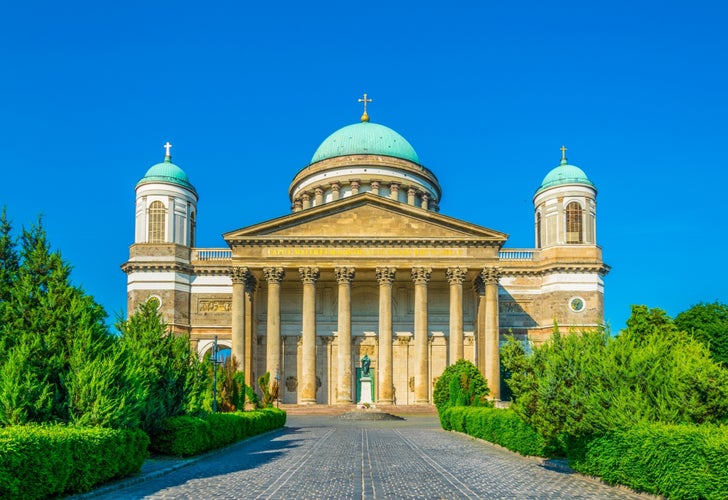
678	461
186	436
461	384
500	426
37	462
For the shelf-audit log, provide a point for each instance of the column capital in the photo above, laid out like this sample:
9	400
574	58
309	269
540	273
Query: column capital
309	275
239	274
354	186
490	275
456	275
274	274
421	275
344	275
385	275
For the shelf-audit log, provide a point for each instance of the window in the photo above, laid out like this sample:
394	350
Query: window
538	230
574	232
156	222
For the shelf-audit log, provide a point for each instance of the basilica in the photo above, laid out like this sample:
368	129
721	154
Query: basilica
365	263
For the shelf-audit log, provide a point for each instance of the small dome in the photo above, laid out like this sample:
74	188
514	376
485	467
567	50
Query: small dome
564	174
167	172
365	138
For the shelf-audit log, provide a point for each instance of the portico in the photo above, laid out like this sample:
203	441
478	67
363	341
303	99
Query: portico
339	294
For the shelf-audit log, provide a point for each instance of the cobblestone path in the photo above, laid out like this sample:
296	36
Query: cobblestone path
327	457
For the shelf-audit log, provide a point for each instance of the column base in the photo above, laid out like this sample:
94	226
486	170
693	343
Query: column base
422	401
385	402
308	402
345	402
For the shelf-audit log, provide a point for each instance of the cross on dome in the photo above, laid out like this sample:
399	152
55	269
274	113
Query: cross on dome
167	147
365	116
563	153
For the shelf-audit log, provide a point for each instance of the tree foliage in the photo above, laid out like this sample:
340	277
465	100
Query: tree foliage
587	384
461	384
709	324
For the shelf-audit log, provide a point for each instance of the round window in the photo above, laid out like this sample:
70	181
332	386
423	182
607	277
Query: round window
576	304
153	299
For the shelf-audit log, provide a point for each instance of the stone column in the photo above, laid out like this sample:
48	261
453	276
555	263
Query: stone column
335	188
274	276
394	191
385	277
344	275
492	335
479	289
456	276
306	201
421	276
425	201
375	187
307	394
297	205
238	276
249	329
411	192
354	187
319	196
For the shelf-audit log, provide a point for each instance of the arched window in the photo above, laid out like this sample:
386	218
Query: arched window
538	230
156	222
574	230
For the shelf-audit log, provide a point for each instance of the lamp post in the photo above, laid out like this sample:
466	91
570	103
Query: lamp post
278	389
214	376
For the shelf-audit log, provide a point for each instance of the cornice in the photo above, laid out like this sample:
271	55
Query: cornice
260	241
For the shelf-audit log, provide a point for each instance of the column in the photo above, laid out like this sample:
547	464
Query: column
421	276
249	329
385	277
344	275
394	191
456	276
319	196
374	187
411	192
425	201
238	275
335	188
274	276
307	394
479	289
492	334
354	187
306	204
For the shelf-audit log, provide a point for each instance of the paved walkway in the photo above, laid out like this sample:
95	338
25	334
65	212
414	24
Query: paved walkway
325	456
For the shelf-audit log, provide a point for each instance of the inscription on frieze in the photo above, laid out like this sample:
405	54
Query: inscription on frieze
214	305
364	252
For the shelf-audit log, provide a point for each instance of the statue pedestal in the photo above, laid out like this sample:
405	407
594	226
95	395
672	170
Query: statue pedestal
366	391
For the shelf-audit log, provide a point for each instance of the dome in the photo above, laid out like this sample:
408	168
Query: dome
564	174
167	172
365	138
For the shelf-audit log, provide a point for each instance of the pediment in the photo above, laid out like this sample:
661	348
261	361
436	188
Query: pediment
365	216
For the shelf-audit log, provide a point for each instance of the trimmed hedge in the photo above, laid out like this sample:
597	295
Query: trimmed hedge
42	461
678	461
500	426
186	436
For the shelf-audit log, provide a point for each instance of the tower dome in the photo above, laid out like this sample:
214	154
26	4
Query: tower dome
564	174
166	172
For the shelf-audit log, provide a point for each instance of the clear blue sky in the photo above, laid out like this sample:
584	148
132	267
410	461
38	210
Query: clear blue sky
486	92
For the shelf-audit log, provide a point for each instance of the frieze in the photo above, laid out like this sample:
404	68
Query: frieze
365	252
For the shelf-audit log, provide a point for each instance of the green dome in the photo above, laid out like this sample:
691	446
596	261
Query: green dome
166	172
564	174
365	138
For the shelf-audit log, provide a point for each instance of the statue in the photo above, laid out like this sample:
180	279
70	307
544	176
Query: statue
365	363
